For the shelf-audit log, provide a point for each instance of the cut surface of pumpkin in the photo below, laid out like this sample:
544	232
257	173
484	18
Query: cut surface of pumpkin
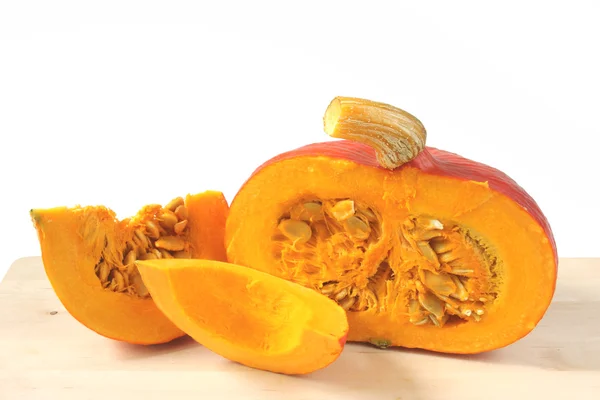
436	252
248	316
88	255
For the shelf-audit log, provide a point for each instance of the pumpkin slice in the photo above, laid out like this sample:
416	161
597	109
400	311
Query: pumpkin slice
89	255
247	316
422	247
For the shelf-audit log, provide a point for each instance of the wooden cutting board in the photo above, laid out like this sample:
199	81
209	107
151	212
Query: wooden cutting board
46	354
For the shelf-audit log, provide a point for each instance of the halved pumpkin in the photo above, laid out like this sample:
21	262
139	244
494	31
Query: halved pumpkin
89	255
248	316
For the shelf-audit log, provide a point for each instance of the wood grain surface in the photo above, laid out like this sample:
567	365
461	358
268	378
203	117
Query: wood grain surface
46	354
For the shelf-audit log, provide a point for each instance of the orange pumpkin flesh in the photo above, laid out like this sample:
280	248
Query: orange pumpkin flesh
85	248
248	316
441	253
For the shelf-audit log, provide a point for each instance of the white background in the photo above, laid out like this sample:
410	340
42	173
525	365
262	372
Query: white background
124	104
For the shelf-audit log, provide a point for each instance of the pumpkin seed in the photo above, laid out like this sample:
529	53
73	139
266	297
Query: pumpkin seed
447	300
432	304
142	240
413	306
367	212
171	243
328	288
296	231
461	271
422	322
452	310
181	212
419	286
434	320
428	253
173	204
348	303
157	253
182	254
461	293
167	220
139	251
439	283
104	271
148	256
129	245
152	230
180	227
357	228
312	211
139	286
441	246
343	210
448	257
120	281
126	280
429	224
130	257
424	235
341	294
131	269
165	253
409	225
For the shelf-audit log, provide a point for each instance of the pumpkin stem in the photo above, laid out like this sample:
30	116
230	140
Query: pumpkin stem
396	135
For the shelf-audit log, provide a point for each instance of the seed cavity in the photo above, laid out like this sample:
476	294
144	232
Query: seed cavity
158	232
321	239
445	282
438	271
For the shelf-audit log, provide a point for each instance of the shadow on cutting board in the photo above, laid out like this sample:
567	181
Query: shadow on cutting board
125	351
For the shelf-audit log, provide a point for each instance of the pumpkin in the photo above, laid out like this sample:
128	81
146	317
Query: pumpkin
248	316
88	256
423	248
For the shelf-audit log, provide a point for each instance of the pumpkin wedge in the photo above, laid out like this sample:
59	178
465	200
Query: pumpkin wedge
422	247
248	316
89	255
